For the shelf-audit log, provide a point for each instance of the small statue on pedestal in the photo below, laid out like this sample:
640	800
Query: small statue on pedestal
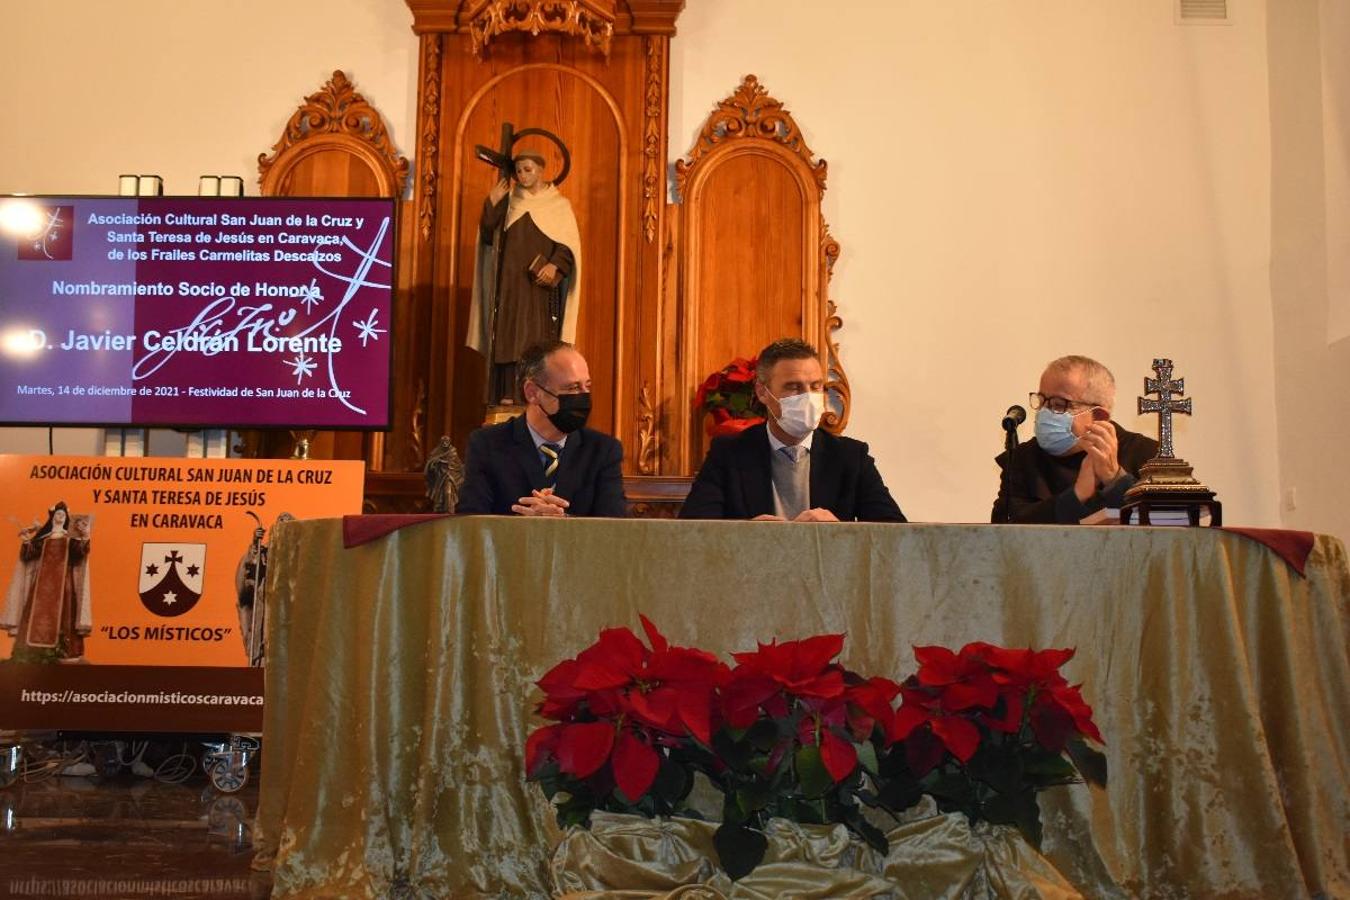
1165	482
445	474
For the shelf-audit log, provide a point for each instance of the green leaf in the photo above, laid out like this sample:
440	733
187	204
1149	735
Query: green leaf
752	798
867	758
673	782
875	837
739	849
763	734
1090	762
899	794
1019	809
812	775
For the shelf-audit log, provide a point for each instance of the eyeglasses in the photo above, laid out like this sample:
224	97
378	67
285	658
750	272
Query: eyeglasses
1057	404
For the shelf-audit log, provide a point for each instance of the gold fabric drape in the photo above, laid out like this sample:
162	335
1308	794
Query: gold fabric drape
400	683
931	857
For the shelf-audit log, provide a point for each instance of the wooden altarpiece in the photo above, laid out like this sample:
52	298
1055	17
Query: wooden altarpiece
670	292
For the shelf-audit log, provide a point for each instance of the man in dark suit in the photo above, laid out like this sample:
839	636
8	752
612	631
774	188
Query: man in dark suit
545	462
1080	462
789	469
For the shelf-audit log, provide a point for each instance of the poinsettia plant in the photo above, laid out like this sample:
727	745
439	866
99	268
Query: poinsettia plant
984	730
800	739
623	712
728	397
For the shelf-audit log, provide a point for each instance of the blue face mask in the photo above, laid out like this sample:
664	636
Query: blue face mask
1054	431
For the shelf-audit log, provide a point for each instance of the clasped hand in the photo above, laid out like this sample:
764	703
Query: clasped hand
541	503
818	514
1101	467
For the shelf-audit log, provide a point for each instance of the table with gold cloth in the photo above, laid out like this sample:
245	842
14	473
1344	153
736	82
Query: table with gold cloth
400	683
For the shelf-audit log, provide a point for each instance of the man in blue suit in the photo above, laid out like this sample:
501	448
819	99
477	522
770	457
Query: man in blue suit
789	469
545	462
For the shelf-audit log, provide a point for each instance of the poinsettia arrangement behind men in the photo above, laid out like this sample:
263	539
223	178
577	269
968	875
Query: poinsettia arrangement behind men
728	396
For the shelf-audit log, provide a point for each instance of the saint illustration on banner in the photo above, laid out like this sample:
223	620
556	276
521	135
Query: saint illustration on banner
527	270
47	607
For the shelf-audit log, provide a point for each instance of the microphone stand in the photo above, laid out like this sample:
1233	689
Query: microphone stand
1009	445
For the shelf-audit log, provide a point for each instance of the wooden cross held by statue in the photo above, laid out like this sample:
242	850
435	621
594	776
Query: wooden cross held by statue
1164	406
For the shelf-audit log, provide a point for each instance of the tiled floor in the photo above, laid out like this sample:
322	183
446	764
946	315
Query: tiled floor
127	837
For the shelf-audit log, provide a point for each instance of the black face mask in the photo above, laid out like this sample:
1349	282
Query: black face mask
573	409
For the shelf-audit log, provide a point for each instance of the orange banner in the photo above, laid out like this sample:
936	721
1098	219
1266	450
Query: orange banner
119	561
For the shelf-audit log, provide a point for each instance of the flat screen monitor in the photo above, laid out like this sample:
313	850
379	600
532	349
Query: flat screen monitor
196	311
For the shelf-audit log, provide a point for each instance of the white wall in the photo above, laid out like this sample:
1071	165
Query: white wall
1310	172
1009	182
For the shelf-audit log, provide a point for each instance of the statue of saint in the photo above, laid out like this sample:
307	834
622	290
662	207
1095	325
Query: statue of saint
444	473
527	273
47	608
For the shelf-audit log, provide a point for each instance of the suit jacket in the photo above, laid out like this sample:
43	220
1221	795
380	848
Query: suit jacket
503	465
736	481
1038	487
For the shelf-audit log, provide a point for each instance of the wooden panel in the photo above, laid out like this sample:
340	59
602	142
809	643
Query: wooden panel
748	278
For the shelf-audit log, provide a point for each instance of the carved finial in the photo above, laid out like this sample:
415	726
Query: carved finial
336	108
577	18
750	112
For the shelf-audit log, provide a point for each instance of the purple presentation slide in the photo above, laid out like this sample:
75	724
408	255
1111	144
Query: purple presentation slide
196	311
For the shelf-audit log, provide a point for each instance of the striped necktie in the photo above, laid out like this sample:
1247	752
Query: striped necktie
550	460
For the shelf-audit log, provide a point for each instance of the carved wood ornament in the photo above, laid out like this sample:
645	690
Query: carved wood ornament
577	18
334	117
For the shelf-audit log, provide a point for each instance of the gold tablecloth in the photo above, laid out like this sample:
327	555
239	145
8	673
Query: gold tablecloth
399	684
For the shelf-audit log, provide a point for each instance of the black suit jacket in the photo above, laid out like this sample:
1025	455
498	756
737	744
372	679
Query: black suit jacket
503	465
1038	487
736	481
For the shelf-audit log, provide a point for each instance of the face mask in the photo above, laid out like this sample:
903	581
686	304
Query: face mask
1054	431
800	413
573	409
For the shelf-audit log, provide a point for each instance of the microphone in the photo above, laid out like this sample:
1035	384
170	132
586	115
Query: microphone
1015	416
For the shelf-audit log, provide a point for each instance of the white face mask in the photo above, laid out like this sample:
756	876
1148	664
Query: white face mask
800	413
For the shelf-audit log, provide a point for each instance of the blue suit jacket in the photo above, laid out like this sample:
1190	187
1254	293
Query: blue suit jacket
503	465
736	482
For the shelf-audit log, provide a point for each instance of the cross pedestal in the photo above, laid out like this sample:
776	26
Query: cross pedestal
1165	482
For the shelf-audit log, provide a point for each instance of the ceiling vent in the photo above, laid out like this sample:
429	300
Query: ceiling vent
1202	12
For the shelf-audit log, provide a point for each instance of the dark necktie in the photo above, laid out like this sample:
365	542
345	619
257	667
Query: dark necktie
550	453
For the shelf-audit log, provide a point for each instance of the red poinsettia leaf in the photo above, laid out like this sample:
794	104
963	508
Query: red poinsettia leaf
815	653
958	735
906	720
937	665
776	706
1070	699
840	757
540	745
976	691
874	696
584	747
635	766
1051	723
695	711
557	709
747	689
923	752
655	708
654	637
558	681
1010	721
